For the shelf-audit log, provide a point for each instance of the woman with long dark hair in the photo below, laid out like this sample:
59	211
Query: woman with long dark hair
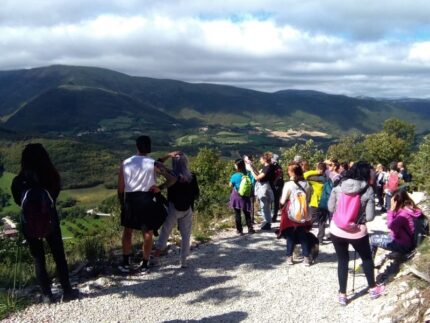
37	171
354	188
400	221
181	197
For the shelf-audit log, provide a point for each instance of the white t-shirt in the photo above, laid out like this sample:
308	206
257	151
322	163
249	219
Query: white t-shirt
139	173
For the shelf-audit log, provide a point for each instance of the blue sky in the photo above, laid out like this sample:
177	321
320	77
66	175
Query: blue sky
371	48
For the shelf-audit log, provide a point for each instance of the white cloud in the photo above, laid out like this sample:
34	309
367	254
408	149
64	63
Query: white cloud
348	47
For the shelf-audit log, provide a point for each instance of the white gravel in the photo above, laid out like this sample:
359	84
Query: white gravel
231	279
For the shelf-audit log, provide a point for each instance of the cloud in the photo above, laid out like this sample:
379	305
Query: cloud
371	48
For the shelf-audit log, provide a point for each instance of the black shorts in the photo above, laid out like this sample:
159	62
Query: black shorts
143	211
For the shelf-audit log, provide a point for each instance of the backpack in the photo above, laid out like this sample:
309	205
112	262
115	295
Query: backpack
298	206
325	196
421	229
392	184
183	194
37	213
347	211
245	187
278	182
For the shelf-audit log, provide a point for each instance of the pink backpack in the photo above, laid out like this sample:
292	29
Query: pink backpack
347	211
392	184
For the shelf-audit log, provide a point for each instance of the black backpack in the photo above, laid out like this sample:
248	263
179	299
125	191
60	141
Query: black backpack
421	229
37	213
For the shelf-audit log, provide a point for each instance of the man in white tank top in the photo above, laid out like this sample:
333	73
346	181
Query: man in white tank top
137	176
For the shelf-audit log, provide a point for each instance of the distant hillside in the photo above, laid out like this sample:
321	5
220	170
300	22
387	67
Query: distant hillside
72	99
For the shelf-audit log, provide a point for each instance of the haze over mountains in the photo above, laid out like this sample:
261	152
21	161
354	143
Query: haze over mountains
71	99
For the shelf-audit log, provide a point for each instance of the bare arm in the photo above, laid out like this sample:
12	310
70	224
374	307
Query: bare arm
163	171
169	155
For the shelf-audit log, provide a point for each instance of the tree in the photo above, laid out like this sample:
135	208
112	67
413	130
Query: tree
420	164
349	148
212	175
383	148
308	151
402	130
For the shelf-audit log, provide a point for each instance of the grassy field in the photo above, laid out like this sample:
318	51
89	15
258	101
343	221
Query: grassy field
85	226
85	197
5	183
88	197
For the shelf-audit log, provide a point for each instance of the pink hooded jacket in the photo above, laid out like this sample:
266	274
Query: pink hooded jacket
401	224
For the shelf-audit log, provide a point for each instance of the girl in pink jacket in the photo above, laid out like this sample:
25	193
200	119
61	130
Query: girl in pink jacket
400	221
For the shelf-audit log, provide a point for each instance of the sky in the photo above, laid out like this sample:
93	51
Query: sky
359	48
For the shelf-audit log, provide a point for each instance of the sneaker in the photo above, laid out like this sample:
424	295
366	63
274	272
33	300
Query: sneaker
70	295
154	261
143	269
342	299
125	269
376	291
239	232
251	231
290	260
266	227
183	263
307	261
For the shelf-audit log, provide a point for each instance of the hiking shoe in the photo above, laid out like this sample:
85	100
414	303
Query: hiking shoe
70	295
342	299
307	261
376	291
124	269
290	260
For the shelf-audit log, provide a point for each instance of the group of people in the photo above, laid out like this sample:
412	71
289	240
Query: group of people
342	194
143	207
332	192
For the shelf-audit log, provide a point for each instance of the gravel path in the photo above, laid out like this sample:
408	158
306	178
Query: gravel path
231	279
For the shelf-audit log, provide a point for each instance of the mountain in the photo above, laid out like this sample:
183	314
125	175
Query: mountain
74	99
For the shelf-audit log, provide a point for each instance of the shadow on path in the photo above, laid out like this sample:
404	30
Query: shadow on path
228	317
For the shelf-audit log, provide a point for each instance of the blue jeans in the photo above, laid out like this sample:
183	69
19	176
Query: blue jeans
386	242
388	197
265	199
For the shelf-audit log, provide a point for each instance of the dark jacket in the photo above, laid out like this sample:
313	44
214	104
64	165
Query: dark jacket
26	180
183	194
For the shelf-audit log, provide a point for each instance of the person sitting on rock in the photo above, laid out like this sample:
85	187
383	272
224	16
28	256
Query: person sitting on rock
400	221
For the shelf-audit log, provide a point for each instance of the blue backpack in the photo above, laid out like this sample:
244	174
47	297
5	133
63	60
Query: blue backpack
325	196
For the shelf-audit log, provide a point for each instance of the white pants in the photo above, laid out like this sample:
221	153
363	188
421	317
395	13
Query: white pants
185	221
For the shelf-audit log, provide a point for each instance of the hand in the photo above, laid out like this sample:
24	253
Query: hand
173	154
155	189
393	204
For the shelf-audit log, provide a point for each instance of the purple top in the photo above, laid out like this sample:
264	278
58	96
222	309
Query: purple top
401	225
